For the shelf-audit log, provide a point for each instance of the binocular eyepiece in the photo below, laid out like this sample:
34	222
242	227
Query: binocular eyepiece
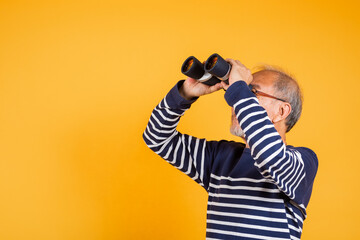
214	70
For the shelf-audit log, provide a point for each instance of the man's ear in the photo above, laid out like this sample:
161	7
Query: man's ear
283	111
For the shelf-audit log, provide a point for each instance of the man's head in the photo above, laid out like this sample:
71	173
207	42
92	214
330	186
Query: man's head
276	83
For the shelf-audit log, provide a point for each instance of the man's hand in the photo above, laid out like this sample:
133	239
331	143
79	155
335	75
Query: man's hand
192	88
238	72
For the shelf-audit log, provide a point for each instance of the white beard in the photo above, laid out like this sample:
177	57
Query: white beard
237	131
235	128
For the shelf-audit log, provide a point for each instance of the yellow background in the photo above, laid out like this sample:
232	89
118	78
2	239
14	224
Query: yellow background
79	79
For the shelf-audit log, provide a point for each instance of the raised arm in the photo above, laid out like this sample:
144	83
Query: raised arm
291	169
191	155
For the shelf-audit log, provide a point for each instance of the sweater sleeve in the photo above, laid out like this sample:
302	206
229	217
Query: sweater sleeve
190	155
292	169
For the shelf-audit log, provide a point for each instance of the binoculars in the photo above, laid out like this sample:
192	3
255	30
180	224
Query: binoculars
214	70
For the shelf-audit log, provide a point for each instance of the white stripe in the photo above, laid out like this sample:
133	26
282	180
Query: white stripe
196	151
294	238
298	229
258	131
165	103
246	108
289	160
244	100
299	206
164	146
281	180
253	146
294	228
291	217
251	115
283	165
165	142
148	138
166	118
245	188
196	177
274	165
299	157
240	179
240	215
183	152
297	174
202	162
160	130
245	206
167	106
243	234
267	147
152	134
255	122
190	157
296	215
174	113
168	152
175	152
273	229
237	196
268	159
163	125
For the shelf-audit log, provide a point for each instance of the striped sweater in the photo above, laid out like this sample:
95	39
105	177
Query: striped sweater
259	192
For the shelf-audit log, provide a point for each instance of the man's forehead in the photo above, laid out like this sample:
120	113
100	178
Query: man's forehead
264	79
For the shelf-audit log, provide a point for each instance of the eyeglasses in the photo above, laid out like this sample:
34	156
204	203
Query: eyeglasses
259	93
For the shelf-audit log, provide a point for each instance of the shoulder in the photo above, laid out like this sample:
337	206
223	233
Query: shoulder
308	156
302	149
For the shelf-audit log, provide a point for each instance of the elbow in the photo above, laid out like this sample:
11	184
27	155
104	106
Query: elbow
148	141
145	138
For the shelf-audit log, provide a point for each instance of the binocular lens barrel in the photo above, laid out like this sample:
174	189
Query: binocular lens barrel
193	68
211	63
217	66
188	65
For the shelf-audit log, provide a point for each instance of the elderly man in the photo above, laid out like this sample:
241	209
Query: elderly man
257	190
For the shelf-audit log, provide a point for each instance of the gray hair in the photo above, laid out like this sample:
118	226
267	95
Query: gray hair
287	88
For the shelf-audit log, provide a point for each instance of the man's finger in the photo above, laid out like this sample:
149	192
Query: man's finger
224	85
238	62
192	80
215	87
231	61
